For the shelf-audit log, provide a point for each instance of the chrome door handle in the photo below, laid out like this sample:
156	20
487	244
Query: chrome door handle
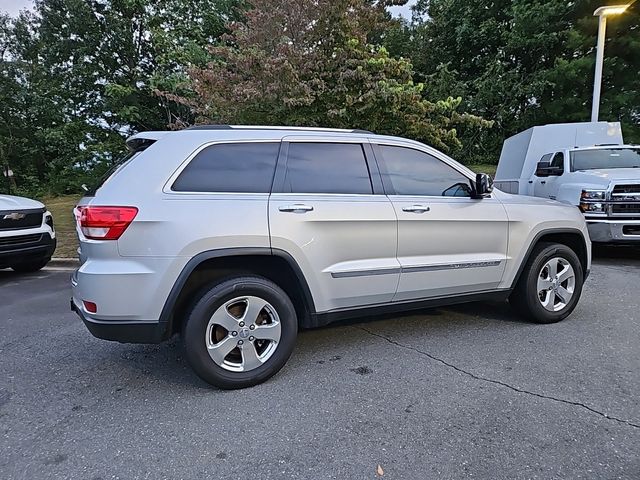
416	209
297	208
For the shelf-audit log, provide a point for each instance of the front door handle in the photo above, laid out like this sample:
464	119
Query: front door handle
416	209
296	208
543	182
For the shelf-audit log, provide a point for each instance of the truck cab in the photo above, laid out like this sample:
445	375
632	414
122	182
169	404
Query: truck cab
582	164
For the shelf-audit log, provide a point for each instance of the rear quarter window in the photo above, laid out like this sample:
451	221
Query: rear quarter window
230	167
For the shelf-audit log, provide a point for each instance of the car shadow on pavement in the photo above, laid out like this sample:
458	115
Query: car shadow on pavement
137	367
471	312
626	253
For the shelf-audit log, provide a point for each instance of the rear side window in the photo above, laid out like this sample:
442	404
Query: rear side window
230	167
411	172
327	168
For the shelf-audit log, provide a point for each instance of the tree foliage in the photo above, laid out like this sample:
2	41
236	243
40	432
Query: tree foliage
524	63
78	75
310	62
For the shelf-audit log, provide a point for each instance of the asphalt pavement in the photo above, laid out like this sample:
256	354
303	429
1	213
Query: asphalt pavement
461	392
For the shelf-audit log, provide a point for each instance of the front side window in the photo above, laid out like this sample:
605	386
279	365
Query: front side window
314	167
605	158
546	158
412	172
230	167
558	162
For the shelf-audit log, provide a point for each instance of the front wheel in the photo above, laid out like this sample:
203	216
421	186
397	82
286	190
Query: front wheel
240	332
550	285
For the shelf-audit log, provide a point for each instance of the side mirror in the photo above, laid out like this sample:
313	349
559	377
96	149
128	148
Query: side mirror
543	169
483	186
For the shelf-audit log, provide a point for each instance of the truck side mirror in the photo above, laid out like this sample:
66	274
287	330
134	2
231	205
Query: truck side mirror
483	186
543	169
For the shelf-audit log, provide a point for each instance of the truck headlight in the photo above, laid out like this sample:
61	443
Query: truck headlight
592	207
591	201
593	195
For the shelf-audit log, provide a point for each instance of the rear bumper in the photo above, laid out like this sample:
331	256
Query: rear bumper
123	332
30	251
610	231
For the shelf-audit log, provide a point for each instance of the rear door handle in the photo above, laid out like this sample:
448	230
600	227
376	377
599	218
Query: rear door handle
296	208
416	209
543	182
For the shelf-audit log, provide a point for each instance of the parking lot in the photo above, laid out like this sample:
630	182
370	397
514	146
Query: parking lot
467	391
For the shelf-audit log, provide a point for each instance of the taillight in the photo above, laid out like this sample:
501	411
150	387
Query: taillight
105	223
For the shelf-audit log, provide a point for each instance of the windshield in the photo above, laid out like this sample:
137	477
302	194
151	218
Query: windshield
605	158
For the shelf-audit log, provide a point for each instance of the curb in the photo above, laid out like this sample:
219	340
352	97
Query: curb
64	263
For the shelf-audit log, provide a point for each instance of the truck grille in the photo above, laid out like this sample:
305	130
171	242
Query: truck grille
625	200
9	243
20	219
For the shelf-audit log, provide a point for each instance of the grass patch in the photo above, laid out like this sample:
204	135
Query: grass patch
62	211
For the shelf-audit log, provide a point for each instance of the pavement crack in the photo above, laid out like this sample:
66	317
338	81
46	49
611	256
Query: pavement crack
498	382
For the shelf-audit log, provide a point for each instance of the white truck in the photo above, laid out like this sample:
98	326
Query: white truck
583	164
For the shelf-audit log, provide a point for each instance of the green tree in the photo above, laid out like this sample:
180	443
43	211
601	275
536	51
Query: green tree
524	63
81	74
310	63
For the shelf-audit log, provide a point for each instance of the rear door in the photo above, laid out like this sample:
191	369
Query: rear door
448	243
328	210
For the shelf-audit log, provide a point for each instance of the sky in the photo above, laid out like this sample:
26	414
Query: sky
14	6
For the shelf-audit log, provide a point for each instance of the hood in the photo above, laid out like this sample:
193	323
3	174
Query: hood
10	202
524	199
608	174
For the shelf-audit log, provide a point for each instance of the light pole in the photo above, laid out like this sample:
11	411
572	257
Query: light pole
602	13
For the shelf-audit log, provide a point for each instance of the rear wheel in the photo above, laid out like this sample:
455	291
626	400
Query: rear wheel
31	266
550	285
240	332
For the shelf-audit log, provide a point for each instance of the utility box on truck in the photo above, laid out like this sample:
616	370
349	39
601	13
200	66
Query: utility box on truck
522	152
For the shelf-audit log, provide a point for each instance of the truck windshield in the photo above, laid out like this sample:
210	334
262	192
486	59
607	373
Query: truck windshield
605	158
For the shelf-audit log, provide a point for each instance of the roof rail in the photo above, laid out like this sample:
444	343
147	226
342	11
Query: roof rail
262	127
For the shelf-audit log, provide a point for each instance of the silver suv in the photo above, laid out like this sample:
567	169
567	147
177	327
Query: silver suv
236	237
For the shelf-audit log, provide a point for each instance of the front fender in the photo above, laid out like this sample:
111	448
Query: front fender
570	192
528	225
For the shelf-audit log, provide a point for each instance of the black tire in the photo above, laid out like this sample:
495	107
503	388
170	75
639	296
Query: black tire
194	330
525	298
29	267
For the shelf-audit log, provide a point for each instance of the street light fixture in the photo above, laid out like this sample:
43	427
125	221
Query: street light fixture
602	13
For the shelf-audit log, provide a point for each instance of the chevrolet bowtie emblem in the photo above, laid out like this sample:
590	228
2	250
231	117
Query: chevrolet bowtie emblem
14	216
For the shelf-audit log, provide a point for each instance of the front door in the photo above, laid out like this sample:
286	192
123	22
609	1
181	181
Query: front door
547	187
448	243
340	230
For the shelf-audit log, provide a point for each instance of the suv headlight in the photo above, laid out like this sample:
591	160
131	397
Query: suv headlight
592	201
